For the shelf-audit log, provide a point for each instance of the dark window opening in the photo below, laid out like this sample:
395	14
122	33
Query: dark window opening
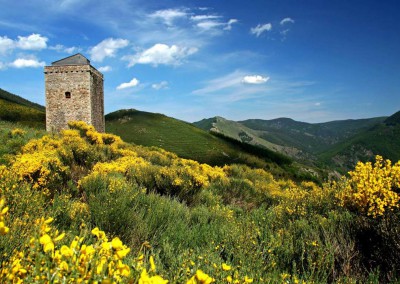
67	95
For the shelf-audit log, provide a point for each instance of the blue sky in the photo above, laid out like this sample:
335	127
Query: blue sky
312	61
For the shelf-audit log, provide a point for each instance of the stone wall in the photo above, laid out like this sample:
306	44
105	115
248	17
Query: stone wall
86	102
97	101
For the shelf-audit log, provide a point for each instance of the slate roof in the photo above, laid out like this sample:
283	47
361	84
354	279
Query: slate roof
77	59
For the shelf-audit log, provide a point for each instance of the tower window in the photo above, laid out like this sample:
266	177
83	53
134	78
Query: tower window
67	95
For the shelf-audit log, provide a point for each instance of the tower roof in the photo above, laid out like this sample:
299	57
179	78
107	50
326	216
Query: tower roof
77	59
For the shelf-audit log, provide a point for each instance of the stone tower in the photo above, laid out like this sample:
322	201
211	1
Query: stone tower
74	91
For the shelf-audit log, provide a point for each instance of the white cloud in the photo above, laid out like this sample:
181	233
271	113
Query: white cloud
107	48
24	63
133	83
62	48
169	15
207	23
259	29
287	20
198	18
6	44
32	42
161	54
254	79
230	23
105	68
317	104
160	86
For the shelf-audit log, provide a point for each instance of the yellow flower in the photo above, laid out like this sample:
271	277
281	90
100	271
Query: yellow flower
64	266
49	220
229	279
248	280
146	279
122	253
60	237
152	264
66	251
226	267
200	278
117	244
3	229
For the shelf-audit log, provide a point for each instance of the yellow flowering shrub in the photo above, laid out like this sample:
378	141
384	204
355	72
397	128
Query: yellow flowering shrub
39	168
17	132
3	211
372	189
46	258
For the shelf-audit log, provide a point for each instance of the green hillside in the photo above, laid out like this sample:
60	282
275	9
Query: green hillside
19	100
313	138
381	139
240	132
184	139
14	112
14	108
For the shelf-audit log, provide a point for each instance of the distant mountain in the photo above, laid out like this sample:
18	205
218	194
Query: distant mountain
16	109
243	133
381	139
313	138
337	144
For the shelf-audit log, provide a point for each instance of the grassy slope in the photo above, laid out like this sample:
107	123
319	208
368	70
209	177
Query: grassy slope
381	139
19	100
237	131
14	112
313	138
184	139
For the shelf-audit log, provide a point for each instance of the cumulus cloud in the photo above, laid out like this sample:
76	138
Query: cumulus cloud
169	15
27	63
287	20
161	54
107	48
6	44
160	86
32	42
254	79
133	83
105	68
259	29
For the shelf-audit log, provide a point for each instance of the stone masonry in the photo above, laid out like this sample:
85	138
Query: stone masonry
74	91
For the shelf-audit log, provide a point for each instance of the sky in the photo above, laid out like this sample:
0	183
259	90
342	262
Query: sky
310	60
